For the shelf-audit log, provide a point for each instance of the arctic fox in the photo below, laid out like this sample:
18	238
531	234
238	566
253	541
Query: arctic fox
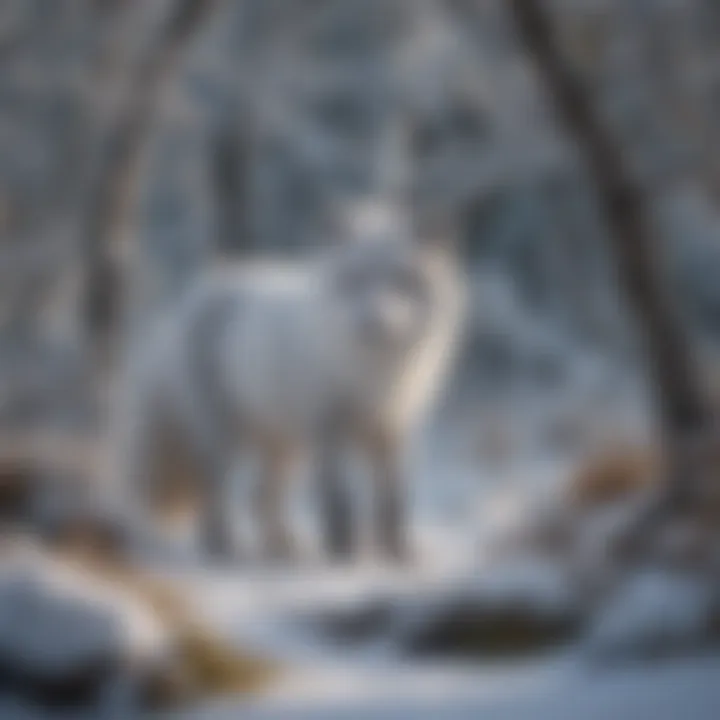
346	348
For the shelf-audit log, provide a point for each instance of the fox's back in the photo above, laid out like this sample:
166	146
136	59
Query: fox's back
370	325
275	356
250	338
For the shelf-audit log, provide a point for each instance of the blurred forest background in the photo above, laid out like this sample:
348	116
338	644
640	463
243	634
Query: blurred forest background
141	139
138	139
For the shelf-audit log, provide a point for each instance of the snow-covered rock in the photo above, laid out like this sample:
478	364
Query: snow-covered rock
654	613
67	636
520	607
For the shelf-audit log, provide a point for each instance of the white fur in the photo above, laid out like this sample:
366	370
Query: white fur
285	356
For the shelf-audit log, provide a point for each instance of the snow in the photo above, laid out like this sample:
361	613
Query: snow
264	610
557	692
539	692
60	625
655	612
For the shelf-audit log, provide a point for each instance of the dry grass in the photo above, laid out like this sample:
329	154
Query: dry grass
204	664
211	665
51	453
613	474
621	470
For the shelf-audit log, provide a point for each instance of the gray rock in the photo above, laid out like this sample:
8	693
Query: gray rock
67	637
655	613
524	607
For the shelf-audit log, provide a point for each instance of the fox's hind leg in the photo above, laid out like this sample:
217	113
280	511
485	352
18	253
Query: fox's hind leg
157	482
216	524
181	470
213	419
209	446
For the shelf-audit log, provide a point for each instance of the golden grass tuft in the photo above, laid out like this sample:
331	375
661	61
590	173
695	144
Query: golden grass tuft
614	474
203	664
216	668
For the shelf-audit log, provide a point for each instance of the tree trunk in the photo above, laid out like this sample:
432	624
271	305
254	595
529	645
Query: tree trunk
683	411
113	179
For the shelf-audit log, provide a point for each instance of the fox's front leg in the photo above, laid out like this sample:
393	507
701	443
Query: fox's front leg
216	524
385	451
213	456
335	505
278	466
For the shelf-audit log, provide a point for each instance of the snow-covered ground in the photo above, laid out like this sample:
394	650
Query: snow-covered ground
685	691
326	680
272	612
268	611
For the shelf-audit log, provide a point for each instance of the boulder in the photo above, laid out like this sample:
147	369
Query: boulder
69	638
524	607
655	613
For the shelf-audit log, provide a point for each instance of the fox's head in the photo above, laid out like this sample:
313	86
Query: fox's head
391	278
